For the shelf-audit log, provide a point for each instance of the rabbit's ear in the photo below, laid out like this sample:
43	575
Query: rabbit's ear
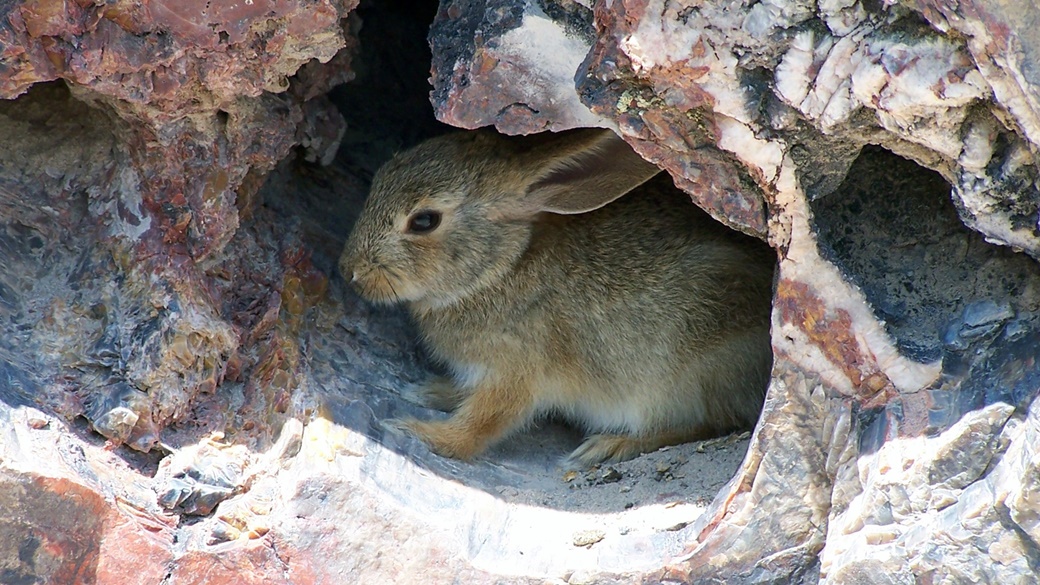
582	171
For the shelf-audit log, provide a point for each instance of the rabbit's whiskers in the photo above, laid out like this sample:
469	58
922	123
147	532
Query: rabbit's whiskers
376	283
386	278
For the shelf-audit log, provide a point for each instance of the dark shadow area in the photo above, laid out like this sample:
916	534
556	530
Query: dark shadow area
387	110
940	289
893	230
43	234
26	241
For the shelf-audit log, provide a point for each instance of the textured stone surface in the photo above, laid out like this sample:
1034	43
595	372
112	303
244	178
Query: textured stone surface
189	395
185	118
510	64
136	136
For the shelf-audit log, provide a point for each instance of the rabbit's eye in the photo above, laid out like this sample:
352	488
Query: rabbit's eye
424	222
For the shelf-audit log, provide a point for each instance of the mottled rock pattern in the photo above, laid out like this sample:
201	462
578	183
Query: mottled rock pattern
136	136
188	113
511	64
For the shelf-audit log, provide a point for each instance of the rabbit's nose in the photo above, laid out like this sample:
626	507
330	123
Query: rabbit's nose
348	268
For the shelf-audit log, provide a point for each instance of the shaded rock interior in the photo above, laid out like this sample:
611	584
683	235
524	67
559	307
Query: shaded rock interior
937	285
57	289
940	289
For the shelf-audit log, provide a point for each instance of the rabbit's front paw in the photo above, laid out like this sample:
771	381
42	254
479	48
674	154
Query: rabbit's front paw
439	393
442	393
442	437
601	448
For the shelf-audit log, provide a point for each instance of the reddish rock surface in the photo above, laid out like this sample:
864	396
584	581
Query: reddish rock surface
187	98
488	68
122	195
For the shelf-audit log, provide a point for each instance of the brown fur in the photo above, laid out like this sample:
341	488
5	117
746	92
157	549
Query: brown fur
644	320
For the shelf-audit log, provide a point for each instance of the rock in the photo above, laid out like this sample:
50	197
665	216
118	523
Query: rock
181	116
610	475
485	64
128	282
196	479
980	320
203	52
587	538
73	511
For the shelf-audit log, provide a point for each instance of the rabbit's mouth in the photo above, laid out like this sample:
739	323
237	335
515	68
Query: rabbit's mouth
379	285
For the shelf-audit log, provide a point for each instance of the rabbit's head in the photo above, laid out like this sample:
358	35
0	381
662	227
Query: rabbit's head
454	214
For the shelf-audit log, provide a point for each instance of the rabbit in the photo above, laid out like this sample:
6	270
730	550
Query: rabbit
542	290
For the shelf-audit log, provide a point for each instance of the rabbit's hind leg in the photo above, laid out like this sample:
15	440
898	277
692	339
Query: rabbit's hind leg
614	448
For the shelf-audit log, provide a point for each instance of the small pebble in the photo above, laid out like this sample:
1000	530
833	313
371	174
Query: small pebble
587	538
37	422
